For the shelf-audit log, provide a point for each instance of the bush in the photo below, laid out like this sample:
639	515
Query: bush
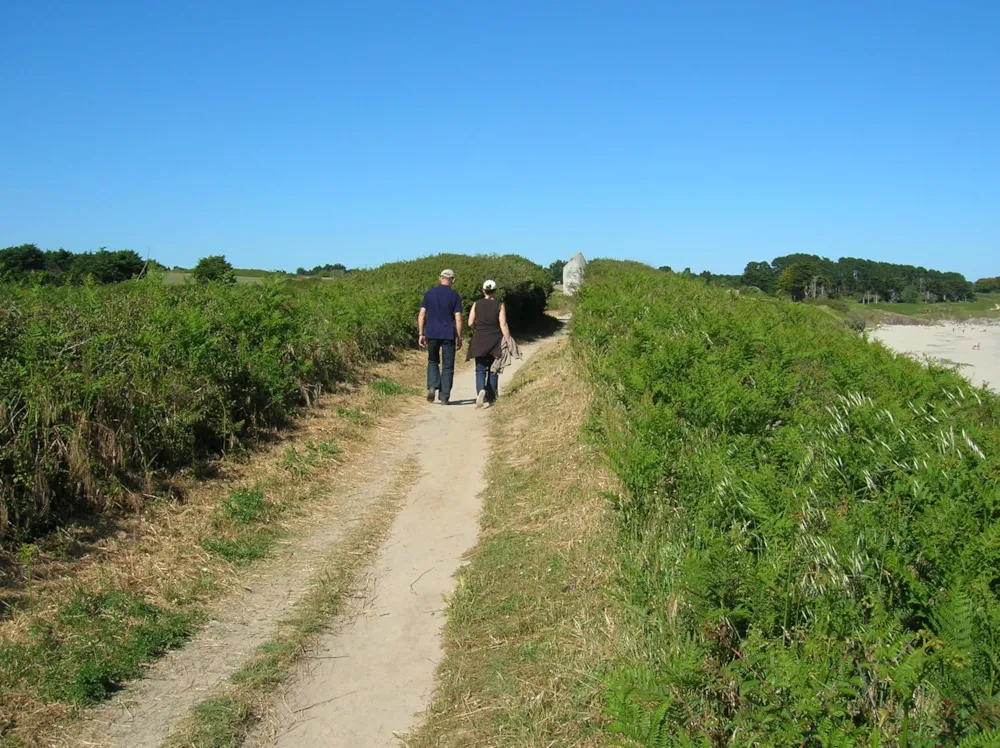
809	523
102	387
214	269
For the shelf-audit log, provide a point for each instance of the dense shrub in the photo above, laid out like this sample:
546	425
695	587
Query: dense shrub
810	524
102	386
60	267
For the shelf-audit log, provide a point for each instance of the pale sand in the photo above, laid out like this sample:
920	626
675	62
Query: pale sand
951	343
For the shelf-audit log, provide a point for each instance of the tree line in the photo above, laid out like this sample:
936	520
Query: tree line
804	276
325	271
62	267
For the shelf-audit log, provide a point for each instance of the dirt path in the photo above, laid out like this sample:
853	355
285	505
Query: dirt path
374	671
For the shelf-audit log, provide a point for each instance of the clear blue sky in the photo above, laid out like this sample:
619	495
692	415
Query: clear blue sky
699	134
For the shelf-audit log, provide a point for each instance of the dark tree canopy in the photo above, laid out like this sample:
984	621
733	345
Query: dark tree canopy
556	271
988	285
61	267
325	271
852	277
214	269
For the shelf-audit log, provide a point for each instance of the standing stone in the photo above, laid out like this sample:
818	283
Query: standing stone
573	274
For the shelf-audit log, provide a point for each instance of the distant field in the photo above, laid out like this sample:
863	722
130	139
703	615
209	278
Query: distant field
177	277
982	307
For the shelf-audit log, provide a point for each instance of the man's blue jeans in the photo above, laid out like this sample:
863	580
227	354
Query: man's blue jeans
486	379
441	367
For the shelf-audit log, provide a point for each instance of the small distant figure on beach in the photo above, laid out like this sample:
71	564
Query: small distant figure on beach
439	330
975	347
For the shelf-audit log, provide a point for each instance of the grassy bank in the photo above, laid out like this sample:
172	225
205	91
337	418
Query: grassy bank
104	390
808	526
95	603
530	627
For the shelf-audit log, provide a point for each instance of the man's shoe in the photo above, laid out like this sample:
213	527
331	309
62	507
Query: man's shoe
480	398
430	396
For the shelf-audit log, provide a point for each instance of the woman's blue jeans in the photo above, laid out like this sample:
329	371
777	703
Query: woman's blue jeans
486	379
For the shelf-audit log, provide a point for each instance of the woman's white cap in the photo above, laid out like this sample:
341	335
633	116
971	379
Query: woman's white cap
489	285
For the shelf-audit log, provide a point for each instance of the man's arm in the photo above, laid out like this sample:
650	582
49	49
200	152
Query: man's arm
458	320
421	340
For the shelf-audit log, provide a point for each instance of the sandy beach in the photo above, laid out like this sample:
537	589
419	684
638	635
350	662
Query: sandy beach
973	346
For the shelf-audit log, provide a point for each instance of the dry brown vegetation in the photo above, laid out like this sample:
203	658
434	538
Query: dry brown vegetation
531	625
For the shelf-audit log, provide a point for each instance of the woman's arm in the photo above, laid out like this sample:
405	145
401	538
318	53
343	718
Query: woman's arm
472	315
503	323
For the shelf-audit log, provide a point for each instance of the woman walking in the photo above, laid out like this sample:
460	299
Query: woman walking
488	320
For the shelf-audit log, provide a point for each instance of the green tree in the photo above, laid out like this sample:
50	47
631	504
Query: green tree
17	263
988	285
795	280
214	269
760	275
556	270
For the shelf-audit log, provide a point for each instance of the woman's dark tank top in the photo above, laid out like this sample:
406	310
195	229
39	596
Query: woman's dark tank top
487	336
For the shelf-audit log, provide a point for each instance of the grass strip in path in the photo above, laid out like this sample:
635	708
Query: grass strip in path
225	719
531	628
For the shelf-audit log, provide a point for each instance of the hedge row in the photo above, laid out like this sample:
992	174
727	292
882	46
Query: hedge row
810	524
103	387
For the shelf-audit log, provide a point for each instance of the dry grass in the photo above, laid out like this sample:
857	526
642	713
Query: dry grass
158	553
531	627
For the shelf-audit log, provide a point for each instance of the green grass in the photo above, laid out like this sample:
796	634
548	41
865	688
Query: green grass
245	507
95	642
177	277
354	415
981	308
243	527
390	388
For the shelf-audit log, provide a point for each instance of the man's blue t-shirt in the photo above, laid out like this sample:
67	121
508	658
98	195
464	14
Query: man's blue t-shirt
442	304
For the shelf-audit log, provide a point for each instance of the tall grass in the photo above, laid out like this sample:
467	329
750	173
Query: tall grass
103	387
811	526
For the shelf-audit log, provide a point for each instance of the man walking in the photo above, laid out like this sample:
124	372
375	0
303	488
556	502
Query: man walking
439	328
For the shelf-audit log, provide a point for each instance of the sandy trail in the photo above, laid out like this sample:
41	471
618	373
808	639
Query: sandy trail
975	347
373	673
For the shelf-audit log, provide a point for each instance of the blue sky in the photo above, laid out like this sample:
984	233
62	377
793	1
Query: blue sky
688	134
